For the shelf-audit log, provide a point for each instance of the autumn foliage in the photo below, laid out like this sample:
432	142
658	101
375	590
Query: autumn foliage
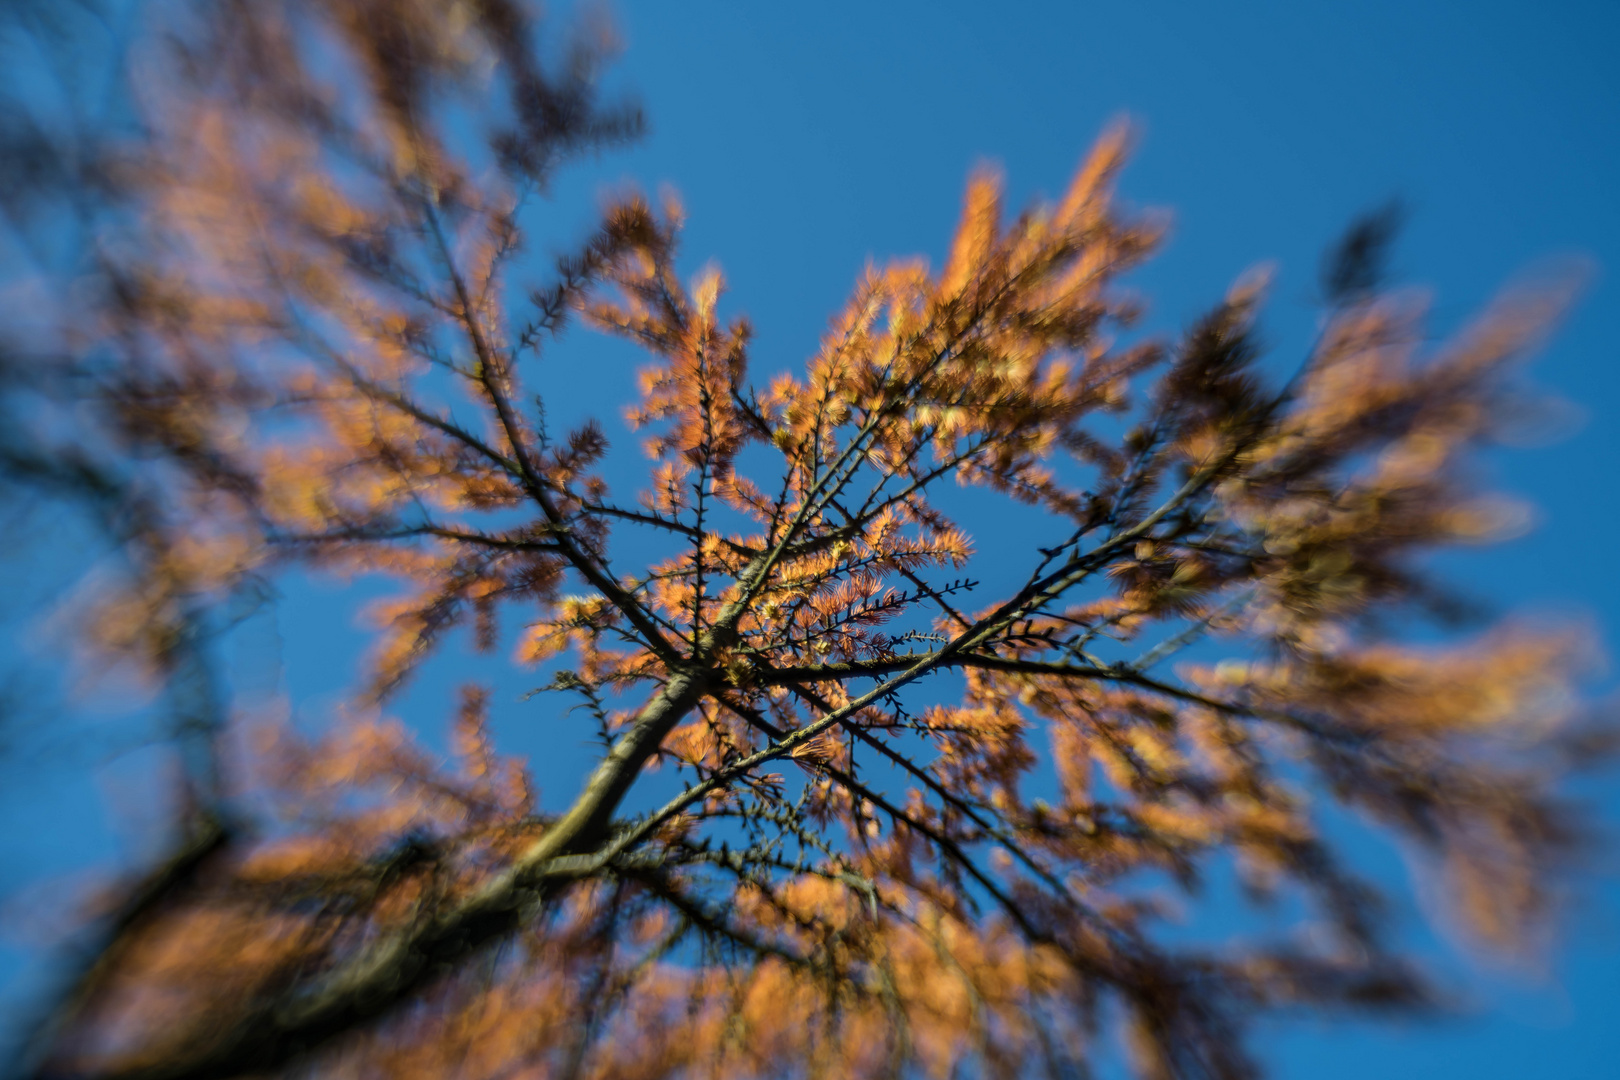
315	340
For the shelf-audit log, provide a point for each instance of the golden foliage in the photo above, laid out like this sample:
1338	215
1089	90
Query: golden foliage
324	363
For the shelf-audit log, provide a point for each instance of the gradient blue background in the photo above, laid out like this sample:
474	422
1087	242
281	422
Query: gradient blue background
805	139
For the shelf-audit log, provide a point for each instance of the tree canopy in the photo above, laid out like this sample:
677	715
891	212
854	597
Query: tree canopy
307	333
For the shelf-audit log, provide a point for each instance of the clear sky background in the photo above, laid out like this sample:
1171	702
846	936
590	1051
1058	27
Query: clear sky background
806	139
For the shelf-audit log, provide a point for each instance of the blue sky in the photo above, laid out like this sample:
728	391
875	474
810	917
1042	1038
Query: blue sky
806	139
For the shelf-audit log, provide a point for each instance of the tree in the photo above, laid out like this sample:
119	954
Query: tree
309	345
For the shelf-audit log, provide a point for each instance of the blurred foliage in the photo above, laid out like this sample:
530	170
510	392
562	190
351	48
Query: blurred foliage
281	325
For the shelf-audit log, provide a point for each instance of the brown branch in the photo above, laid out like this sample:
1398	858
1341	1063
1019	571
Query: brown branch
489	375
